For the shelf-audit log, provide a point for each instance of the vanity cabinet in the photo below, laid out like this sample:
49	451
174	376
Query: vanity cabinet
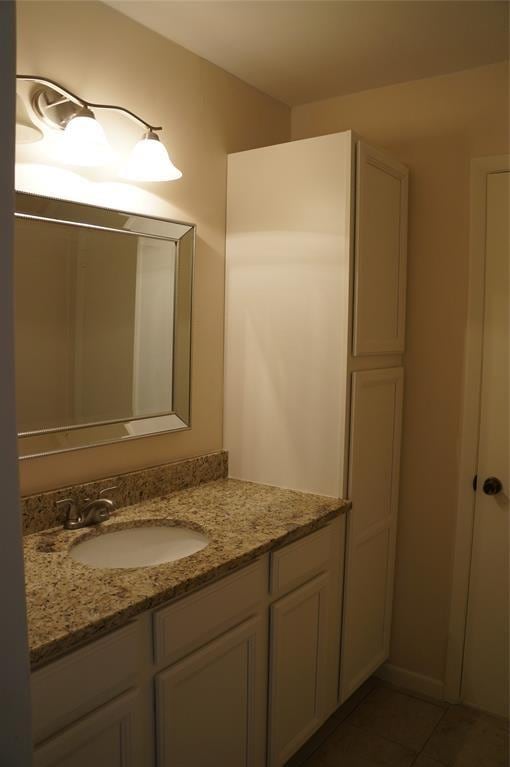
211	694
91	706
298	667
314	337
106	737
239	673
75	685
306	579
211	705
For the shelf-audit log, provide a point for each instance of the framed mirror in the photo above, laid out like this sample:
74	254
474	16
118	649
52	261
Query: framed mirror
102	324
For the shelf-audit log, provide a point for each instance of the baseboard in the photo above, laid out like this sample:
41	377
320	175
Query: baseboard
409	680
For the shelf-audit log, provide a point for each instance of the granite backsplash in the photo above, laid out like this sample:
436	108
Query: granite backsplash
40	512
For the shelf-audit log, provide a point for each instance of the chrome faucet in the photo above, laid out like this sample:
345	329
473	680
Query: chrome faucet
93	513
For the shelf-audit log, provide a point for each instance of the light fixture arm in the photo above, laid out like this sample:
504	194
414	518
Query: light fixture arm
63	91
86	104
127	112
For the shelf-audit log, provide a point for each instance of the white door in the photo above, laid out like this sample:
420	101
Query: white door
211	706
485	670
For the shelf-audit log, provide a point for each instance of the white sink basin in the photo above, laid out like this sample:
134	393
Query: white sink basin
139	546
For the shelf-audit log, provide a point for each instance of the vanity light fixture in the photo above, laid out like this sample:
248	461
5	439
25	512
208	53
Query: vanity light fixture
26	132
149	161
84	141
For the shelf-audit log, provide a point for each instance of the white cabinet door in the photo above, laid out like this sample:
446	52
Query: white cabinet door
77	684
380	253
106	737
211	706
376	416
298	666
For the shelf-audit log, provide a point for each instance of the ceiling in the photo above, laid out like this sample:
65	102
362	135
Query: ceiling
304	51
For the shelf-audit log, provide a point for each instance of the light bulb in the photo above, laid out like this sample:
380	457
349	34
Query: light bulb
84	141
149	161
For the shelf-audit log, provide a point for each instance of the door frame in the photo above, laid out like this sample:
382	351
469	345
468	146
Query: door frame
15	727
481	167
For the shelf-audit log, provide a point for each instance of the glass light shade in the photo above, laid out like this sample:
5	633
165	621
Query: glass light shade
84	141
149	161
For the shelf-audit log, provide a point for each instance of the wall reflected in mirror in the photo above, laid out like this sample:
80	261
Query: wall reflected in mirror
102	324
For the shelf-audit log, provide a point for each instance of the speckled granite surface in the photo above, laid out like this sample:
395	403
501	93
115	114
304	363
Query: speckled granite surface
69	602
39	512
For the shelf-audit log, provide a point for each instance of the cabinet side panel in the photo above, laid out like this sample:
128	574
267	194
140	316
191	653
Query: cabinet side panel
288	229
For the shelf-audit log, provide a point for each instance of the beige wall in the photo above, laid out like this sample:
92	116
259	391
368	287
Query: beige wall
434	126
207	113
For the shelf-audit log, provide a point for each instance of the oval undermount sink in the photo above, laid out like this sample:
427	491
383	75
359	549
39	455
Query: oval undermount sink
139	546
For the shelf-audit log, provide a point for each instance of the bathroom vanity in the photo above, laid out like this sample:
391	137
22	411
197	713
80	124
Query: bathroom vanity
230	656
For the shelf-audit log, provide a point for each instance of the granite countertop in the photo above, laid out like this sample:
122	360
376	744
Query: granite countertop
68	602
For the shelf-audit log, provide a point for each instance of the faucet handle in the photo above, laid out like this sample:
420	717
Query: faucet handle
72	515
107	490
69	504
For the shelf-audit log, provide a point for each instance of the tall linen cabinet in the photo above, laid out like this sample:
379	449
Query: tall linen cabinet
315	314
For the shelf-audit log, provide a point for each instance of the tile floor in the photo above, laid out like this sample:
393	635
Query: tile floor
380	726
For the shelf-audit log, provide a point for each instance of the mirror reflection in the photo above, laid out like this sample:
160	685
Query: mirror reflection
102	323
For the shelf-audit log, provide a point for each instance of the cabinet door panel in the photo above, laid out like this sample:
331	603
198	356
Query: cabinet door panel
373	488
211	705
380	253
68	689
195	620
106	737
367	643
298	664
296	563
